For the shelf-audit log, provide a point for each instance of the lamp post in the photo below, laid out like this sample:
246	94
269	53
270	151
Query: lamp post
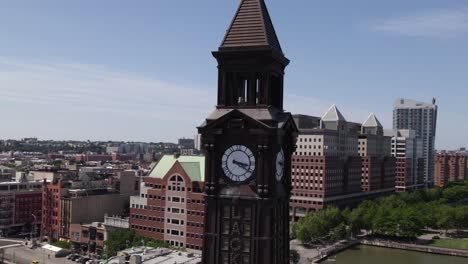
33	229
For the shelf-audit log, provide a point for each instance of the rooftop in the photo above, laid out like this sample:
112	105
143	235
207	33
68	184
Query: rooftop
402	103
251	27
194	166
159	256
333	114
372	121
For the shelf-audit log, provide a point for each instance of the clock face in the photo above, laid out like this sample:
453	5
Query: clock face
279	165
238	163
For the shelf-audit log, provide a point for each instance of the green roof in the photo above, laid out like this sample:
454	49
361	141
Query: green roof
194	166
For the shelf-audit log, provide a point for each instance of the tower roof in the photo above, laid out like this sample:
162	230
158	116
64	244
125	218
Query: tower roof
333	114
251	27
372	121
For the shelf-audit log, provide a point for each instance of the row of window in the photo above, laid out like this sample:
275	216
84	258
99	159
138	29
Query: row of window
144	217
307	160
195	213
147	228
174	232
308	195
310	146
307	167
306	202
309	153
195	224
302	139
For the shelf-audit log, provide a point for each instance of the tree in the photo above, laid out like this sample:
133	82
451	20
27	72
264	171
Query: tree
126	207
355	222
445	216
461	217
295	257
117	240
340	232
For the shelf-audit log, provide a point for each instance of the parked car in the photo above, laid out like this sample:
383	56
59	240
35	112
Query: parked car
62	253
84	260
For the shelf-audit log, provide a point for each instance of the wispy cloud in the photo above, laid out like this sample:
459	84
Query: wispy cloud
50	99
84	94
94	88
428	23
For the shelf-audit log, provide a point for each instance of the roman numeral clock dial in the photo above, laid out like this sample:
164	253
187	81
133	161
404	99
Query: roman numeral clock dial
238	163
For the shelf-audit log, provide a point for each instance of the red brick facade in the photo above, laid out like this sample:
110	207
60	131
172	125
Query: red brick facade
51	211
449	167
316	179
18	203
174	209
89	238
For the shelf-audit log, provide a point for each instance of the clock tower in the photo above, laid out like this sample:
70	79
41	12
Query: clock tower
248	141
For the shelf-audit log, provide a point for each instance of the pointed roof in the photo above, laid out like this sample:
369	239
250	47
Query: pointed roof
194	166
333	114
372	121
251	27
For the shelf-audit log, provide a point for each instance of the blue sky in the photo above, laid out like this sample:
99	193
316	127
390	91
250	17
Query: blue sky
143	70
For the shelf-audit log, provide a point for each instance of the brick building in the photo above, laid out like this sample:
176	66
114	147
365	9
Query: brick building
170	205
85	199
378	167
449	167
20	206
339	163
88	237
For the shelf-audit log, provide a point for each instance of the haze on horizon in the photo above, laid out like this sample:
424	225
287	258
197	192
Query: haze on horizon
143	71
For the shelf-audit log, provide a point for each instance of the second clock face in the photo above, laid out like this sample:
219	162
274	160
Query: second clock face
279	165
238	163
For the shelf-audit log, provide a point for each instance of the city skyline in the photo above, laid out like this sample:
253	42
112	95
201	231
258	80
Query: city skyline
87	78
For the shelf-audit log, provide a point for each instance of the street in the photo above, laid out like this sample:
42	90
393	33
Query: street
24	255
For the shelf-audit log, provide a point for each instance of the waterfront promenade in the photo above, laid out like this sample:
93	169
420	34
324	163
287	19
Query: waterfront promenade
320	253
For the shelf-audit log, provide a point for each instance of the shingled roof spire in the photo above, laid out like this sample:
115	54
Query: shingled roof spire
251	27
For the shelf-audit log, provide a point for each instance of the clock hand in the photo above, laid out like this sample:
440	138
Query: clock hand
240	164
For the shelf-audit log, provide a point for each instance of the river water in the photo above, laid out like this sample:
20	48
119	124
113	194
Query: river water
376	255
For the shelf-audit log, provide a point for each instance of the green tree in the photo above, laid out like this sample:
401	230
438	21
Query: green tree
117	240
340	232
295	257
445	216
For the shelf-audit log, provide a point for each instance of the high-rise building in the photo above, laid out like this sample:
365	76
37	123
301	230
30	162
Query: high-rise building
422	118
408	151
